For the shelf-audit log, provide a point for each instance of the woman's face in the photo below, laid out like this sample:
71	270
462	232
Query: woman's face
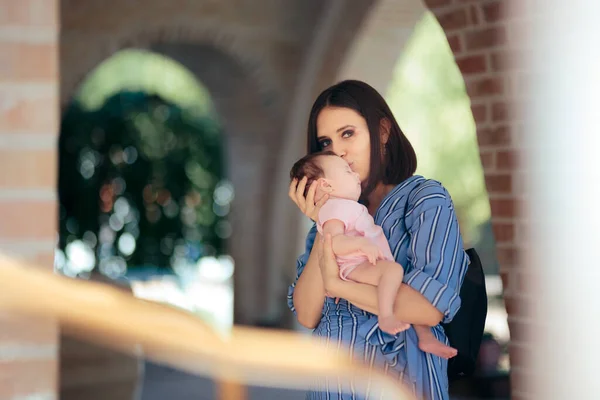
345	132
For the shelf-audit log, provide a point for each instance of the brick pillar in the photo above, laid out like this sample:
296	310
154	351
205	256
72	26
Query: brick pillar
28	134
484	36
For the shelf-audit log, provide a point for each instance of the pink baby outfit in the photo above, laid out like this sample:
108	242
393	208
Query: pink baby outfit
357	222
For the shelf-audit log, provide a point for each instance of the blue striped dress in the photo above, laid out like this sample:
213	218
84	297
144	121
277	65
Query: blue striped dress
419	221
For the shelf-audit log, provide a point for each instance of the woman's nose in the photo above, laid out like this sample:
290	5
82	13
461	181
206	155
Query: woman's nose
339	150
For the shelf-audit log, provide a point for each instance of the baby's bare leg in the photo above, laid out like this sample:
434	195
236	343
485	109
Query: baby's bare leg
387	276
429	343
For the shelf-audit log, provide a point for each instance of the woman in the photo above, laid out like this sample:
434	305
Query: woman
418	219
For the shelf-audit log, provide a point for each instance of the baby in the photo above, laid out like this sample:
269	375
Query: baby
360	246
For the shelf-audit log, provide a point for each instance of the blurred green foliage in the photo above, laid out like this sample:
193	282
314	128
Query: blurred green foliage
429	99
141	173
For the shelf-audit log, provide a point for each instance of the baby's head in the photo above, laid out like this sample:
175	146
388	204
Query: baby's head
333	174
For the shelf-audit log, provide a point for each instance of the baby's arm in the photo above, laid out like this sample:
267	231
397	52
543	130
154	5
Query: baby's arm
343	244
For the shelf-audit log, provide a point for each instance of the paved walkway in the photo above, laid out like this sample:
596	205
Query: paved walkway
164	383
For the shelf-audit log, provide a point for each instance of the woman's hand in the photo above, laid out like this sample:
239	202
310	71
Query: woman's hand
330	271
306	204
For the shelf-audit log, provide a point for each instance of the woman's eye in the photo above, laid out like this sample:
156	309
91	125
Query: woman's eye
347	133
325	143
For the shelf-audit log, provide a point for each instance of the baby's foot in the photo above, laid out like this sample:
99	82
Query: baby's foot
435	347
392	325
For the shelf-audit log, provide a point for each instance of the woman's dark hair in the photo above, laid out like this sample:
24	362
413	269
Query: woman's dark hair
398	162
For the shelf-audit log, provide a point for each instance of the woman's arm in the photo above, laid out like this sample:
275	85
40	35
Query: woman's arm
439	262
437	257
309	293
411	306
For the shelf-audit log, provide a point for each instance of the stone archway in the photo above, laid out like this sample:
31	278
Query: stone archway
382	37
250	119
93	33
266	43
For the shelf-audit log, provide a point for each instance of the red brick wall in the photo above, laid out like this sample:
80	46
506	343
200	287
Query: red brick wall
28	134
484	36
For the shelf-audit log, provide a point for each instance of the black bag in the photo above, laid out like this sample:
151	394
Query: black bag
465	331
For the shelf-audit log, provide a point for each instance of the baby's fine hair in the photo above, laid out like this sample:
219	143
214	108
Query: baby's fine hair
309	166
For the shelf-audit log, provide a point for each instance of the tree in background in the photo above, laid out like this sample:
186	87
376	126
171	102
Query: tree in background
140	183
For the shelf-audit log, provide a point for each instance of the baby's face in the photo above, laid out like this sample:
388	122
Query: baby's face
344	183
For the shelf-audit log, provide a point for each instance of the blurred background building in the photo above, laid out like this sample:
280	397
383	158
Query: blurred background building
149	143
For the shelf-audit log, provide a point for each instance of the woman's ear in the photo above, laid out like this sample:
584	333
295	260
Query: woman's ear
385	126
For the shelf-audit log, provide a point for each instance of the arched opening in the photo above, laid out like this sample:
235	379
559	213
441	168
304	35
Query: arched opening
428	96
212	82
142	184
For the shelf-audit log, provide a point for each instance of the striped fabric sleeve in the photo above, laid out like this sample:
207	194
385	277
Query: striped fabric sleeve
300	264
437	256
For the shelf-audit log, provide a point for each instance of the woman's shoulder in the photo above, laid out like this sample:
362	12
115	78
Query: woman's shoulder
428	191
426	196
415	191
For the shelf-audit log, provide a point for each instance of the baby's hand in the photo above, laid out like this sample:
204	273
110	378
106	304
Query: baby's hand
372	252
